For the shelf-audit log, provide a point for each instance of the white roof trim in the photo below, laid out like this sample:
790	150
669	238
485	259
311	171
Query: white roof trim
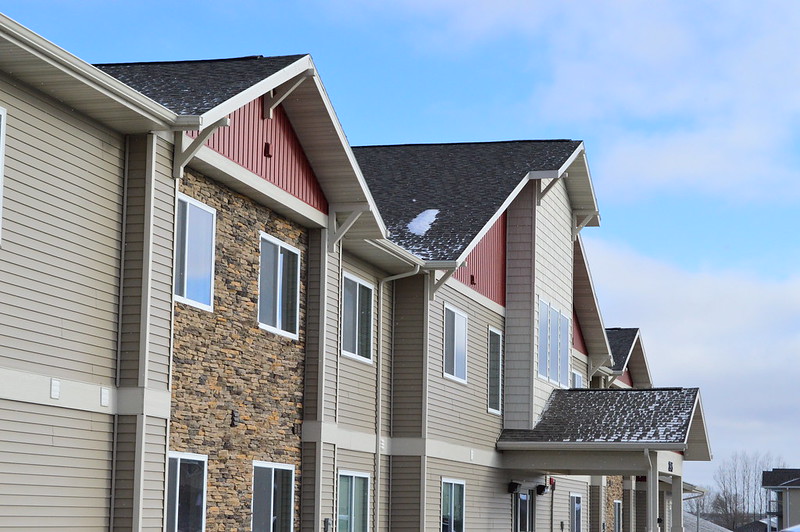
589	446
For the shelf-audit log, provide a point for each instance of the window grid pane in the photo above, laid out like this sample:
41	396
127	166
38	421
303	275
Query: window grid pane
262	498
199	254
268	289
283	502
191	495
552	351
289	287
180	251
461	347
345	503
544	315
350	316
449	341
563	351
365	321
495	370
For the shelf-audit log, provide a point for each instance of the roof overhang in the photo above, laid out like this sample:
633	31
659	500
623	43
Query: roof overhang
37	62
323	140
698	447
590	460
587	310
637	365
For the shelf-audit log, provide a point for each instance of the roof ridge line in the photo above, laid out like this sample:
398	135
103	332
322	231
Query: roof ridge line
183	61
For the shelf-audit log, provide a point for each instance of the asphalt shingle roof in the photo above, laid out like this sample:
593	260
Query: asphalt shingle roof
194	87
781	477
621	341
655	415
465	182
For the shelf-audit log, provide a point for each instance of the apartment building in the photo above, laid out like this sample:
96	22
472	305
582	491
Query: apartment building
217	315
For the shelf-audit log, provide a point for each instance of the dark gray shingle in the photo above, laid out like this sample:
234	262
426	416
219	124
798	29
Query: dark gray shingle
194	87
781	477
466	182
621	341
656	415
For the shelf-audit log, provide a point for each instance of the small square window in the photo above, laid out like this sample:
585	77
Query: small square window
186	493
194	253
495	371
353	502
453	498
455	344
356	317
279	287
273	497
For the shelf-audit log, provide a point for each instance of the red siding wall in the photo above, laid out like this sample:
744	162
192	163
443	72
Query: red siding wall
243	142
626	378
485	271
577	336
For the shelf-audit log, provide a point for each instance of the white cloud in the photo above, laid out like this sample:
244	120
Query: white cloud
734	335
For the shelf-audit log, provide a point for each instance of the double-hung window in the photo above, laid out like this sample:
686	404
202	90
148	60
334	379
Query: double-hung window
452	505
186	493
554	348
495	371
455	343
279	287
2	163
273	497
575	512
356	317
617	516
353	502
194	253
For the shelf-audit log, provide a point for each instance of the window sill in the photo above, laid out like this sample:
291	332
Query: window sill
279	332
195	304
359	358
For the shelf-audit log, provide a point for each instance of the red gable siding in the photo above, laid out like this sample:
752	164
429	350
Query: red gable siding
626	378
485	271
244	142
577	336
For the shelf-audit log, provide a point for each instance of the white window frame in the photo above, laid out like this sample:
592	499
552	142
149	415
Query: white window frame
562	347
273	466
458	313
576	379
266	326
575	512
188	456
489	408
359	474
618	516
182	267
3	120
359	282
463	485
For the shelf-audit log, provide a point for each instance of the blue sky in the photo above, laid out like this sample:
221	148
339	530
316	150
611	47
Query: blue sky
691	116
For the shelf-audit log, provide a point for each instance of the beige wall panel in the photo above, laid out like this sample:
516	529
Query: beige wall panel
124	473
329	482
331	384
307	494
155	459
387	358
405	493
487	501
520	274
310	403
559	501
55	468
407	361
59	256
457	410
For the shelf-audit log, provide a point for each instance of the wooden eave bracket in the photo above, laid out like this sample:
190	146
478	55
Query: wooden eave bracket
549	186
273	98
336	233
436	285
184	154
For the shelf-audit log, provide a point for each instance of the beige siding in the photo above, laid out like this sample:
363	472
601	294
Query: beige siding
520	324
331	399
329	482
124	473
59	255
553	254
405	493
580	364
55	468
386	358
459	410
154	473
487	501
315	256
161	269
408	365
357	378
308	487
559	500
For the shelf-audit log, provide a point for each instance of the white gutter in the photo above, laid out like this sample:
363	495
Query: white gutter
589	446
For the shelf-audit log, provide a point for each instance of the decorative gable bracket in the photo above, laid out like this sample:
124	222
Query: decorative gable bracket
549	186
336	232
183	154
448	267
273	98
579	221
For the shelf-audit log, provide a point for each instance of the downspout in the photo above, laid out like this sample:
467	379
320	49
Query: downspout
379	392
115	429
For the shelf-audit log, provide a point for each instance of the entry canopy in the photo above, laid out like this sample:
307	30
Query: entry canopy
623	425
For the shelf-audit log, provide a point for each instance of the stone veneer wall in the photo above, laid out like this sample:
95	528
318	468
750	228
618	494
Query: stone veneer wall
223	361
613	493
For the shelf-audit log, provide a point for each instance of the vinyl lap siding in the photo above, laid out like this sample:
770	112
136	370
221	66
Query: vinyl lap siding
405	493
124	473
59	257
55	468
331	400
560	501
316	249
457	410
487	501
155	459
407	360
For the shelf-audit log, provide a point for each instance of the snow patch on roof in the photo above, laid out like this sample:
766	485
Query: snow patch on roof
420	225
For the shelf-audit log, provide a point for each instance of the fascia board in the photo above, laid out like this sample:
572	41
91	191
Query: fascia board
571	159
255	91
590	446
396	251
87	74
697	410
645	365
442	264
298	67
